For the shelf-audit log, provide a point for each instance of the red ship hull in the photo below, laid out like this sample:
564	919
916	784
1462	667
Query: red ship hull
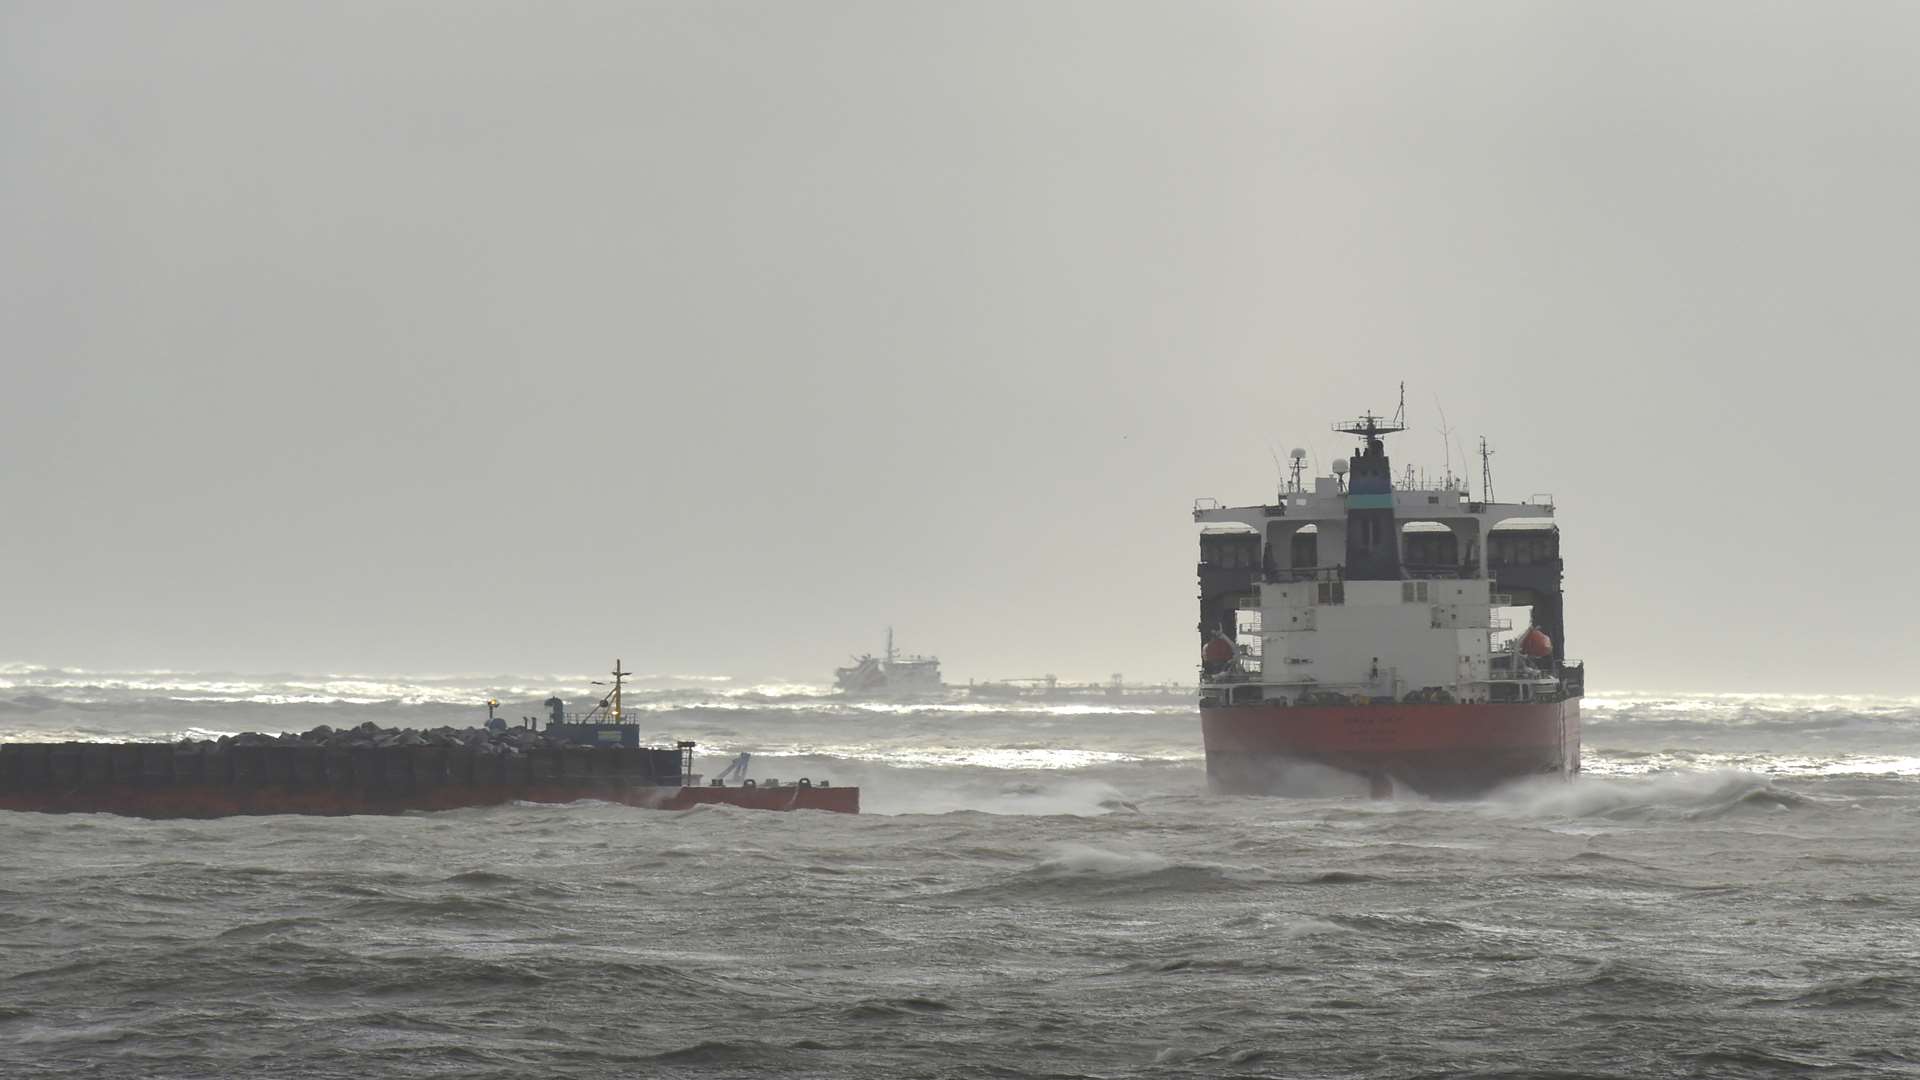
1438	750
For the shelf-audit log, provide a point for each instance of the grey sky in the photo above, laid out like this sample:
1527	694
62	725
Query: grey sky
718	336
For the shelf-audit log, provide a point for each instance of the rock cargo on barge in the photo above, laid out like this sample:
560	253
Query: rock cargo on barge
597	755
1357	623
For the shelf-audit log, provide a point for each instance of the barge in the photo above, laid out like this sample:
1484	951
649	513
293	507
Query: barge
595	756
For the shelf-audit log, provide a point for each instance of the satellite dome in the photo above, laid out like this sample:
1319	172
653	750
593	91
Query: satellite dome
1296	453
1339	466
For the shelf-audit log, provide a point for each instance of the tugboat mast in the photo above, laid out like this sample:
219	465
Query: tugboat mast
618	676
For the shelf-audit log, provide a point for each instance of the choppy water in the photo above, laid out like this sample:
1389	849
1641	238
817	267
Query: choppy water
1730	891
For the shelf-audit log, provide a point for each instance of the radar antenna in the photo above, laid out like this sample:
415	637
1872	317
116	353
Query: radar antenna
1446	439
1371	427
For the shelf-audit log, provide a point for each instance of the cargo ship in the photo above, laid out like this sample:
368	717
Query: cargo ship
596	755
891	675
1358	623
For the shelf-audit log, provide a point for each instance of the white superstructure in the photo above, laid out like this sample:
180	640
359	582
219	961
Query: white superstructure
1376	638
1389	593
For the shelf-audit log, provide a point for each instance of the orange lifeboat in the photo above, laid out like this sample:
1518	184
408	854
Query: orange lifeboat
1537	644
1217	650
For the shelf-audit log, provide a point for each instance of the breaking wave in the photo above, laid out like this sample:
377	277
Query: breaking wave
1695	795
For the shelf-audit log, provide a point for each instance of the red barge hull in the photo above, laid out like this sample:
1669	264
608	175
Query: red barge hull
1438	750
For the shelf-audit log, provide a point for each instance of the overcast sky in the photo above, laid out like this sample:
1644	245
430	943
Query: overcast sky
514	337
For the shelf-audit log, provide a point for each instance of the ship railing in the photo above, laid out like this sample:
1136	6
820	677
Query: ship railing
1458	486
1517	667
1243	679
1441	621
1429	571
1278	575
593	716
1415	571
1525	673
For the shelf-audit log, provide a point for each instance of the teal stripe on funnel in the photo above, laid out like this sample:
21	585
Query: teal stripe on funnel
1370	502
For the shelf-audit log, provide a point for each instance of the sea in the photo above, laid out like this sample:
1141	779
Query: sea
1731	889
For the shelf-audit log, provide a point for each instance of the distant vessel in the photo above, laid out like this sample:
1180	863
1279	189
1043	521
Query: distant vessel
1353	625
890	675
1052	688
893	675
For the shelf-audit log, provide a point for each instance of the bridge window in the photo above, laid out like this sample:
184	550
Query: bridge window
1306	547
1523	546
1429	545
1236	550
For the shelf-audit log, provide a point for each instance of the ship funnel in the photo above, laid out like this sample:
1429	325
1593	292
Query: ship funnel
1373	536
